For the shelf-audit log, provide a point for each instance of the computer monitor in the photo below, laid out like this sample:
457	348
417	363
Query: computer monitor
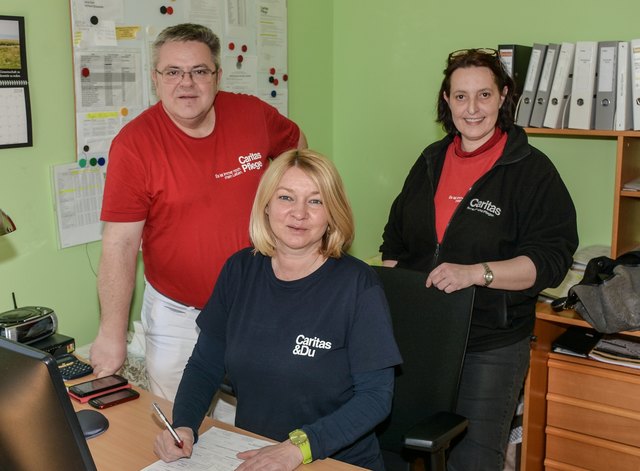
38	427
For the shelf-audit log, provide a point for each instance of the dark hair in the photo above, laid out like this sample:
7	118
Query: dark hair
188	32
476	58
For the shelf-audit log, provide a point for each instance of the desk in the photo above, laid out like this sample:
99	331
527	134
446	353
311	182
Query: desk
128	443
577	411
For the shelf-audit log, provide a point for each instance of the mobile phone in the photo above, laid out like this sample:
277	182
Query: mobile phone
111	399
95	386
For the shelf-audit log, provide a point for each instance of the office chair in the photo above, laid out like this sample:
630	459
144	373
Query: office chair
431	328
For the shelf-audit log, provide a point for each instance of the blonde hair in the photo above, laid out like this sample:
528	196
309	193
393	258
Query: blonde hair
340	231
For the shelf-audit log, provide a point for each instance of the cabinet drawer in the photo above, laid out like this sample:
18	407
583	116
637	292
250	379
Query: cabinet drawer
590	453
595	383
615	424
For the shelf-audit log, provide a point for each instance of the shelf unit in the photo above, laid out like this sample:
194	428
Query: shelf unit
625	234
565	427
578	410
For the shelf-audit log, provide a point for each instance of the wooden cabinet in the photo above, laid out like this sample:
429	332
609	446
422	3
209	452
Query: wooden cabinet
626	204
580	414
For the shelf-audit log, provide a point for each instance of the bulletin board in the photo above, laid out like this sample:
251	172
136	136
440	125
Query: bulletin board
112	42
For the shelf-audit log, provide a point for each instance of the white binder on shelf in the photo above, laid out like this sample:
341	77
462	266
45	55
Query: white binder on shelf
534	70
583	87
556	115
606	73
623	120
544	86
635	81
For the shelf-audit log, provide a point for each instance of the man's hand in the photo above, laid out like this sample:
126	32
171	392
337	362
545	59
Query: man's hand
107	354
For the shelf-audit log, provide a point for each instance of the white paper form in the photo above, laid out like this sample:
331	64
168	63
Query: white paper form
207	12
240	77
216	450
272	53
97	129
272	33
109	79
280	101
94	21
78	199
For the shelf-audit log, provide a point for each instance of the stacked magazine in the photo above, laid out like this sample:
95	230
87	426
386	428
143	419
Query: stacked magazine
618	351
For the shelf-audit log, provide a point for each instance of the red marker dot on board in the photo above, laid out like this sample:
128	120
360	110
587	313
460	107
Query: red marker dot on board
272	70
240	59
170	10
85	72
285	77
232	46
275	82
244	48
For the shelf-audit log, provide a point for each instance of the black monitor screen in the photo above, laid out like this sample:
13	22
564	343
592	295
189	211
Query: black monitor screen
39	429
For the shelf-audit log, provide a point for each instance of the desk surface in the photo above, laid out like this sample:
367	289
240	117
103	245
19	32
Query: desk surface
128	443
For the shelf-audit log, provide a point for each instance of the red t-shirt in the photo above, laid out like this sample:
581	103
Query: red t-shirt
459	173
194	193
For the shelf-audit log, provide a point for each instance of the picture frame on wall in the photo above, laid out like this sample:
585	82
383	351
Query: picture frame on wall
15	119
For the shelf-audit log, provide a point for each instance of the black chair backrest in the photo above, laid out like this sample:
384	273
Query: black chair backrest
431	328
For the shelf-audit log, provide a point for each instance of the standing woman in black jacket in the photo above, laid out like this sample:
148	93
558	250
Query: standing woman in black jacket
483	207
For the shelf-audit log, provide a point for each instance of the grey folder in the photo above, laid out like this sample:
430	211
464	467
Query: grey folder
624	117
607	72
583	86
557	114
544	86
534	70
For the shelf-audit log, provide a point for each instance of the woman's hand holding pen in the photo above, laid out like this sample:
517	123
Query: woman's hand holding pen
165	446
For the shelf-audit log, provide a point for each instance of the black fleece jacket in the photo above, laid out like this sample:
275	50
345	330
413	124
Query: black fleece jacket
519	207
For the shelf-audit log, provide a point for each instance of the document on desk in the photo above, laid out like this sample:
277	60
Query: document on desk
216	450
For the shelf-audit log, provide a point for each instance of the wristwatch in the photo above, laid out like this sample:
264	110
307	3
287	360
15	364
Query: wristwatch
299	439
488	274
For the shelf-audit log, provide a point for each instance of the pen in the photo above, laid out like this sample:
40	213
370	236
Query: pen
179	442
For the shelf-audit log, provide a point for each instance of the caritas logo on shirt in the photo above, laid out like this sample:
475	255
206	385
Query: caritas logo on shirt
247	163
307	346
250	162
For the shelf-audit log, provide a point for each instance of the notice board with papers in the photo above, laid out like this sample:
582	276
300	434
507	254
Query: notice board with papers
112	42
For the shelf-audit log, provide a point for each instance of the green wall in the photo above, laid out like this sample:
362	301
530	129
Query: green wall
364	75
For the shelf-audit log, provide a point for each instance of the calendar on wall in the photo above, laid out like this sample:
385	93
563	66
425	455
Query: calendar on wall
15	118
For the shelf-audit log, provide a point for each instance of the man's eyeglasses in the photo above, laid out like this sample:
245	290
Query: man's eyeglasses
198	75
465	52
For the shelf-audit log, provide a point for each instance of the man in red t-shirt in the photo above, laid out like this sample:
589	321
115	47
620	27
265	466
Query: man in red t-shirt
180	182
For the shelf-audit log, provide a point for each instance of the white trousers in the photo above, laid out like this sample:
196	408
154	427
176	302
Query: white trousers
170	334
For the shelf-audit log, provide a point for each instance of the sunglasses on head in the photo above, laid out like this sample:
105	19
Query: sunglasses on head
466	52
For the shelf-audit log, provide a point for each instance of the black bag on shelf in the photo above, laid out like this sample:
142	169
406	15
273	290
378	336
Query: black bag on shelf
608	297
